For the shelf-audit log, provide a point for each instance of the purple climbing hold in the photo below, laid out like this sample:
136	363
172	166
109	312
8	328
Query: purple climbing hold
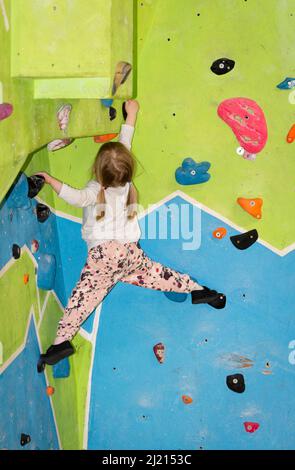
6	110
112	113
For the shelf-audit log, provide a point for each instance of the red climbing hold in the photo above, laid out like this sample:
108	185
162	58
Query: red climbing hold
34	246
220	233
159	350
291	135
101	139
251	427
26	278
6	110
50	391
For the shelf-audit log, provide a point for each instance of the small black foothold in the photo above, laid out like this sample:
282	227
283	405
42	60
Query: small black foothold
245	240
25	439
222	66
35	183
112	113
43	212
124	112
16	251
236	383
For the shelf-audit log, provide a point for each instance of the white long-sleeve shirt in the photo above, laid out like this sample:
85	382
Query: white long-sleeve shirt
115	224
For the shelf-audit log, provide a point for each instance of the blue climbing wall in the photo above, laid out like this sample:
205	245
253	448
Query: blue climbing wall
25	408
136	403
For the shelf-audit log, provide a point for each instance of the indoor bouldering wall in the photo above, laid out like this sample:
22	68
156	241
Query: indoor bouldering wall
214	144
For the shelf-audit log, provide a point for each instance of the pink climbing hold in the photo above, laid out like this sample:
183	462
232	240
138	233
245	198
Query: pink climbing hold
248	123
34	246
58	144
63	116
6	110
251	427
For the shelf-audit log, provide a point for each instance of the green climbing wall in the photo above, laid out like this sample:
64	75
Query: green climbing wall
179	96
33	123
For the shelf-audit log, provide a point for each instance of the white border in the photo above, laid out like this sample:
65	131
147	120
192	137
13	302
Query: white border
5	17
280	252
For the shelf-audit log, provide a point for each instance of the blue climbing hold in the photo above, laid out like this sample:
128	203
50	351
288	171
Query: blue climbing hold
176	296
46	271
287	84
62	369
192	172
107	102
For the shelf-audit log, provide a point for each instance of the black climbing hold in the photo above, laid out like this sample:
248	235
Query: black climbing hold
236	383
245	240
41	364
222	66
16	251
43	212
124	112
35	183
25	439
112	113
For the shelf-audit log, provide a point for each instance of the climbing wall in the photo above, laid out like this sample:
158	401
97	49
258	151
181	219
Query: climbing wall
215	156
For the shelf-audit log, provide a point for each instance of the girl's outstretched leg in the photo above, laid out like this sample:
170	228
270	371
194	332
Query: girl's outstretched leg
150	274
100	273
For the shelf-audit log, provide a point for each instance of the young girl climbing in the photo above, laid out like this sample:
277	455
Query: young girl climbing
111	231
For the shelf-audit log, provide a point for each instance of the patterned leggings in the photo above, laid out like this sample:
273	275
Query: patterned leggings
107	264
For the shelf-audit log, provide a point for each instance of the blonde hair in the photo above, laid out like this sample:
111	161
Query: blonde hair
114	166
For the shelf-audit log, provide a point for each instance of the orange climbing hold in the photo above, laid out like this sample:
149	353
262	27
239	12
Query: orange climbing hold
50	391
252	206
26	278
186	399
220	233
291	135
101	139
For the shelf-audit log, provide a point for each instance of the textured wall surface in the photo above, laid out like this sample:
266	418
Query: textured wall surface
117	395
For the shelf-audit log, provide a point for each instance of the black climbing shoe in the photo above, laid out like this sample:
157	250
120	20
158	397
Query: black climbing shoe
54	354
207	296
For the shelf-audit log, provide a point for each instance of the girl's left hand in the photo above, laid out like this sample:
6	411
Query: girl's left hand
46	176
